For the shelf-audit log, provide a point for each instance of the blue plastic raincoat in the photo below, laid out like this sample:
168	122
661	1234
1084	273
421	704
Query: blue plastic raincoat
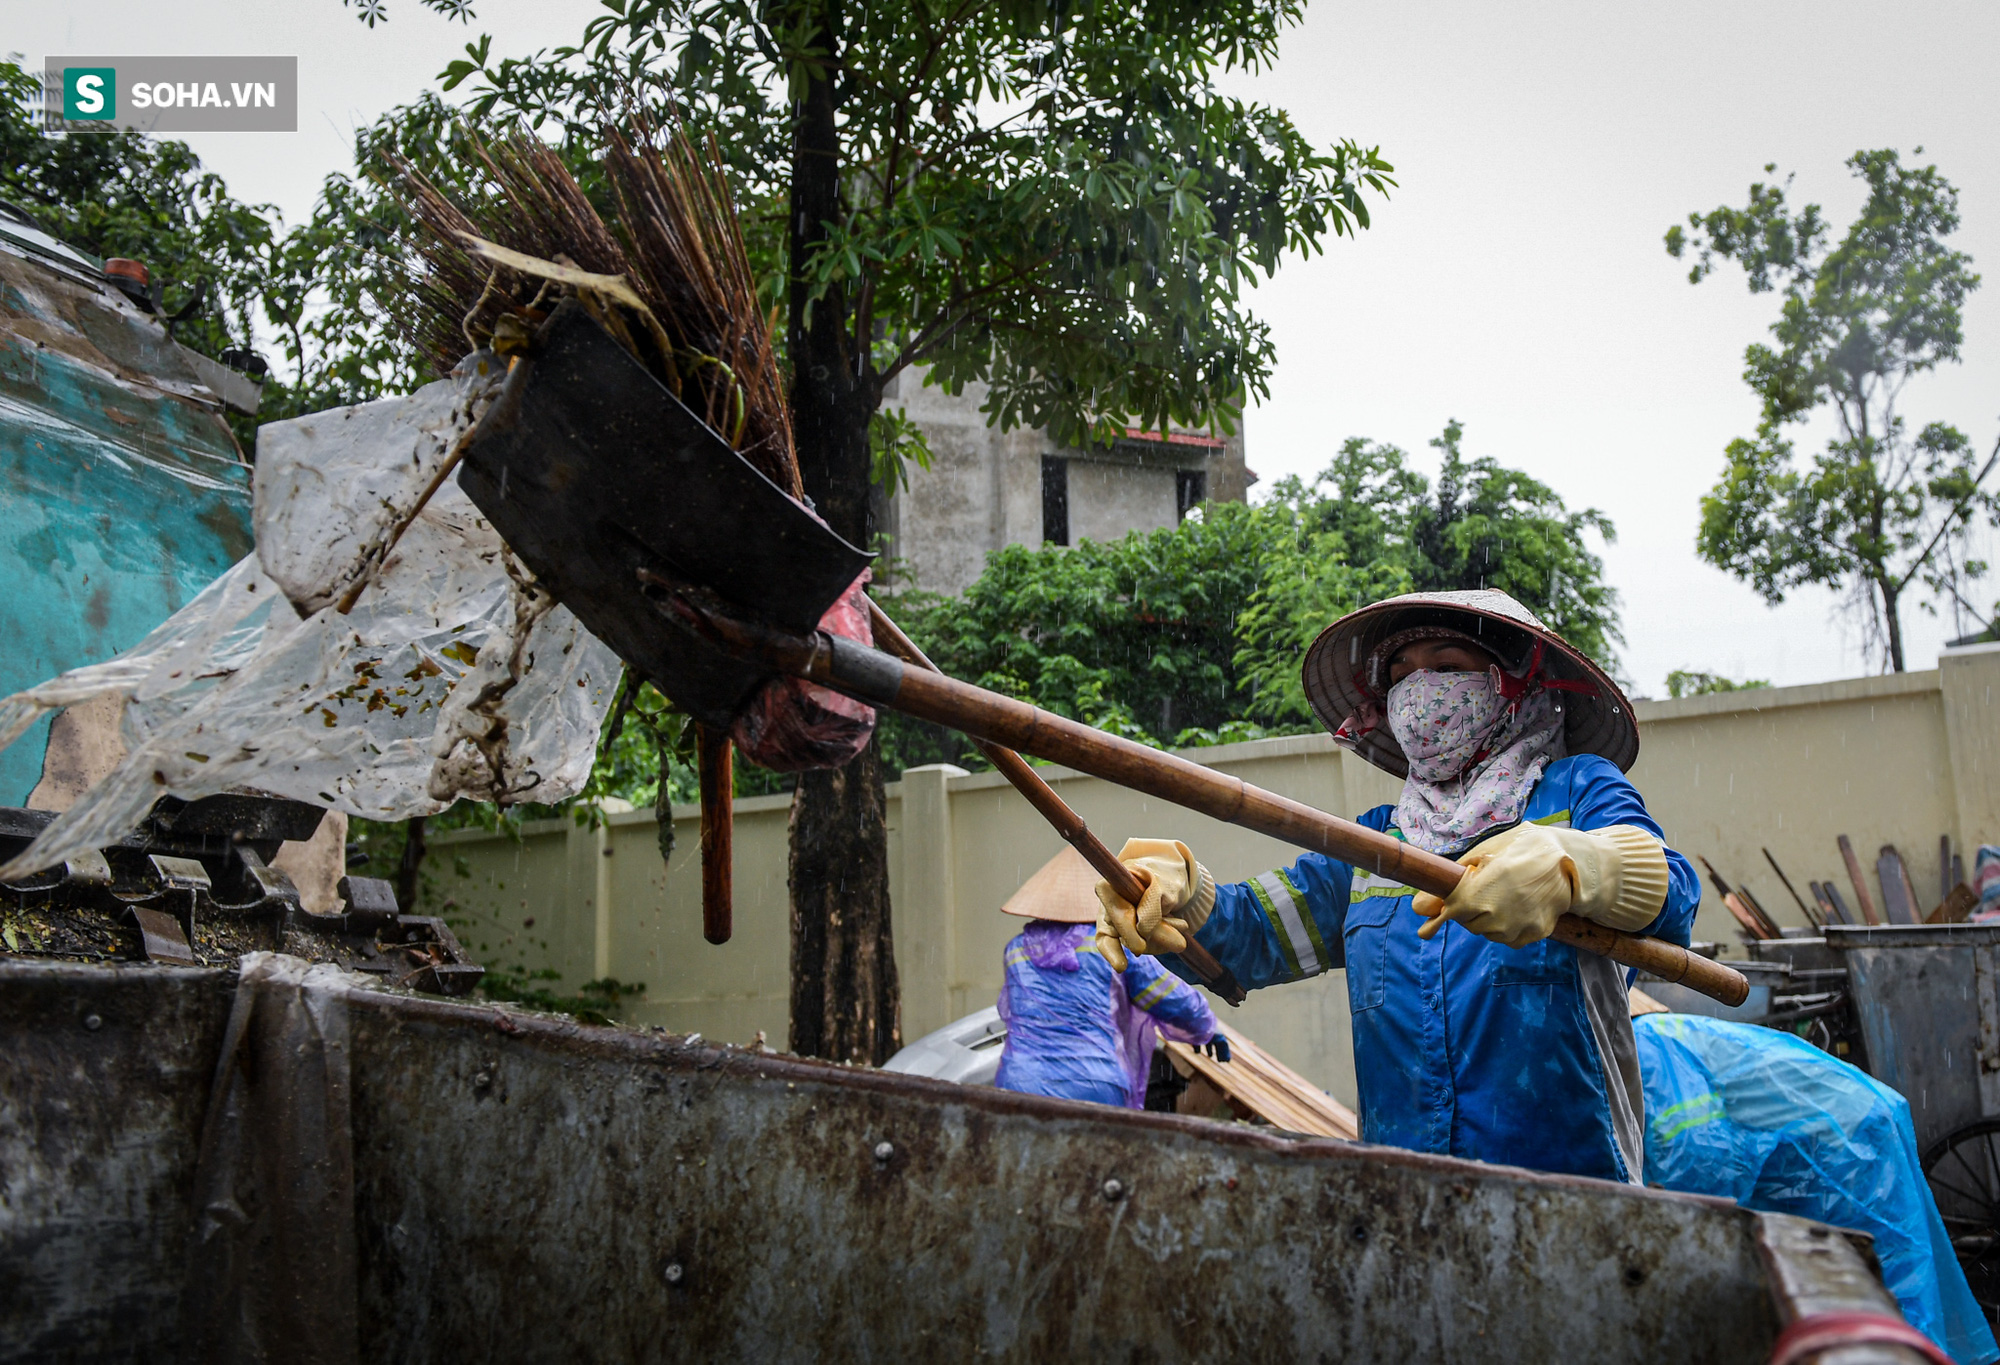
1461	1045
1079	1030
1770	1121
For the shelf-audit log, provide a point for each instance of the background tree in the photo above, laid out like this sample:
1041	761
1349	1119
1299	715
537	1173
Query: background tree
1194	634
1370	526
1049	197
1878	510
1689	682
124	194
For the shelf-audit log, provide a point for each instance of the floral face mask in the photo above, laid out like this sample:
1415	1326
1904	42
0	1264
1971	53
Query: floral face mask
1474	756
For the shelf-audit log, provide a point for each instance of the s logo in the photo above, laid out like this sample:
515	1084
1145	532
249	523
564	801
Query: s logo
90	92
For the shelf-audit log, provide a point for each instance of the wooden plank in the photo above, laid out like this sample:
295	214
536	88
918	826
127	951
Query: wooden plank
1863	901
1267	1088
1829	906
1953	909
1899	903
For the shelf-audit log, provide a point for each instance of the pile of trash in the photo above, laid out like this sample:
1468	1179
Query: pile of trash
382	653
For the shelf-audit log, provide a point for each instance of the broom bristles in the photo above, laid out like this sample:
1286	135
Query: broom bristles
675	239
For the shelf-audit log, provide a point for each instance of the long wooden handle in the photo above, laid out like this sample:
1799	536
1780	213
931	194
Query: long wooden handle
1065	821
715	773
884	680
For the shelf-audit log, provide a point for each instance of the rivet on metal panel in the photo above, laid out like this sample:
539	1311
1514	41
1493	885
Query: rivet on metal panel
884	1150
1634	1276
673	1274
1358	1233
92	1022
1114	1190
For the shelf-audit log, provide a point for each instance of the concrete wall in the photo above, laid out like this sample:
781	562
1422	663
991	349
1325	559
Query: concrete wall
1900	759
984	487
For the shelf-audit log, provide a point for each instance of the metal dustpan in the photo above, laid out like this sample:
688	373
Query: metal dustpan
603	482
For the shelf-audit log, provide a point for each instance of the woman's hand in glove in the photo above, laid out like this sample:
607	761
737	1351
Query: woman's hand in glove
1513	891
1519	882
1178	896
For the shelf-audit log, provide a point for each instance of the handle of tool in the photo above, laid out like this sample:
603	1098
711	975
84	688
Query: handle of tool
1064	820
715	773
884	680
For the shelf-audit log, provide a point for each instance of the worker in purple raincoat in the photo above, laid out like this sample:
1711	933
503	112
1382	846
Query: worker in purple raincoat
1076	1029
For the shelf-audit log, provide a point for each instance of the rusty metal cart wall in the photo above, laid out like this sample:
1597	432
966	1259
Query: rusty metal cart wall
1926	1001
423	1180
1930	1014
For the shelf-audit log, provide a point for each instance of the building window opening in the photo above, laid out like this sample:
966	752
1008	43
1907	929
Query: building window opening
1055	501
1190	490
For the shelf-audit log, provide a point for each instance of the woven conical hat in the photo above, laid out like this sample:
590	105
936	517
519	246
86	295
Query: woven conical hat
1597	721
1063	890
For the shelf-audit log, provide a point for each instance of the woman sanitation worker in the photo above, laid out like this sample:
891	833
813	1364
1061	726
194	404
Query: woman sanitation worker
1076	1029
1475	1034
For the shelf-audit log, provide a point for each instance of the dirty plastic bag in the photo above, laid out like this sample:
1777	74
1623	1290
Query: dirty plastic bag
454	676
1770	1121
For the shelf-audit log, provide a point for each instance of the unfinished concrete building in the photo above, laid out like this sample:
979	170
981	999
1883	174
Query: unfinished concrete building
987	488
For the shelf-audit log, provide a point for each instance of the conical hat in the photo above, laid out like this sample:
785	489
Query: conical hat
1597	717
1063	890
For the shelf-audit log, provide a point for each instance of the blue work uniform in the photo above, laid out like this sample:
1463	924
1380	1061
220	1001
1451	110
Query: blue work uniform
1463	1045
1079	1030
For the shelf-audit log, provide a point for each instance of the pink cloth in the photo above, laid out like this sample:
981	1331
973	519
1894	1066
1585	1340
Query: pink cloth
1474	755
792	724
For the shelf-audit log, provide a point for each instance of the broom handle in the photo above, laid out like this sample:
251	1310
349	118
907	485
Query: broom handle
715	766
1066	822
884	680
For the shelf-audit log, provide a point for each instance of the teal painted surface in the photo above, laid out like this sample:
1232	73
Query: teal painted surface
118	503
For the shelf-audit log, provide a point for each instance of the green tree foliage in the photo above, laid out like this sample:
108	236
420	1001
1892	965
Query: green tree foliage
1370	526
1049	197
334	290
1688	682
1194	635
121	193
1879	509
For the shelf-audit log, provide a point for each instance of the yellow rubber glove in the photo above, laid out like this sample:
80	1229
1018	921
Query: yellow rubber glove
1518	883
1179	894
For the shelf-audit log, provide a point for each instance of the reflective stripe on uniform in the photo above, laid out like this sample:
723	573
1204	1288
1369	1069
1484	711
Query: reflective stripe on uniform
1156	992
1017	956
1366	885
1293	924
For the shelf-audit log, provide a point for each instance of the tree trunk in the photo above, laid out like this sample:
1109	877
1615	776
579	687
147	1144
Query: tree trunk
845	1002
1891	600
410	864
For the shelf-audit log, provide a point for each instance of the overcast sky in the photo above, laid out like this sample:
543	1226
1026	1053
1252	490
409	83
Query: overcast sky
1515	281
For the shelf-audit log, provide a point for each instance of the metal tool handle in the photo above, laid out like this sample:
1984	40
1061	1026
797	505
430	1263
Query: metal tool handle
1065	821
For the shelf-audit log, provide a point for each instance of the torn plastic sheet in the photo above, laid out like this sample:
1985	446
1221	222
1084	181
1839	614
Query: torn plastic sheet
453	677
